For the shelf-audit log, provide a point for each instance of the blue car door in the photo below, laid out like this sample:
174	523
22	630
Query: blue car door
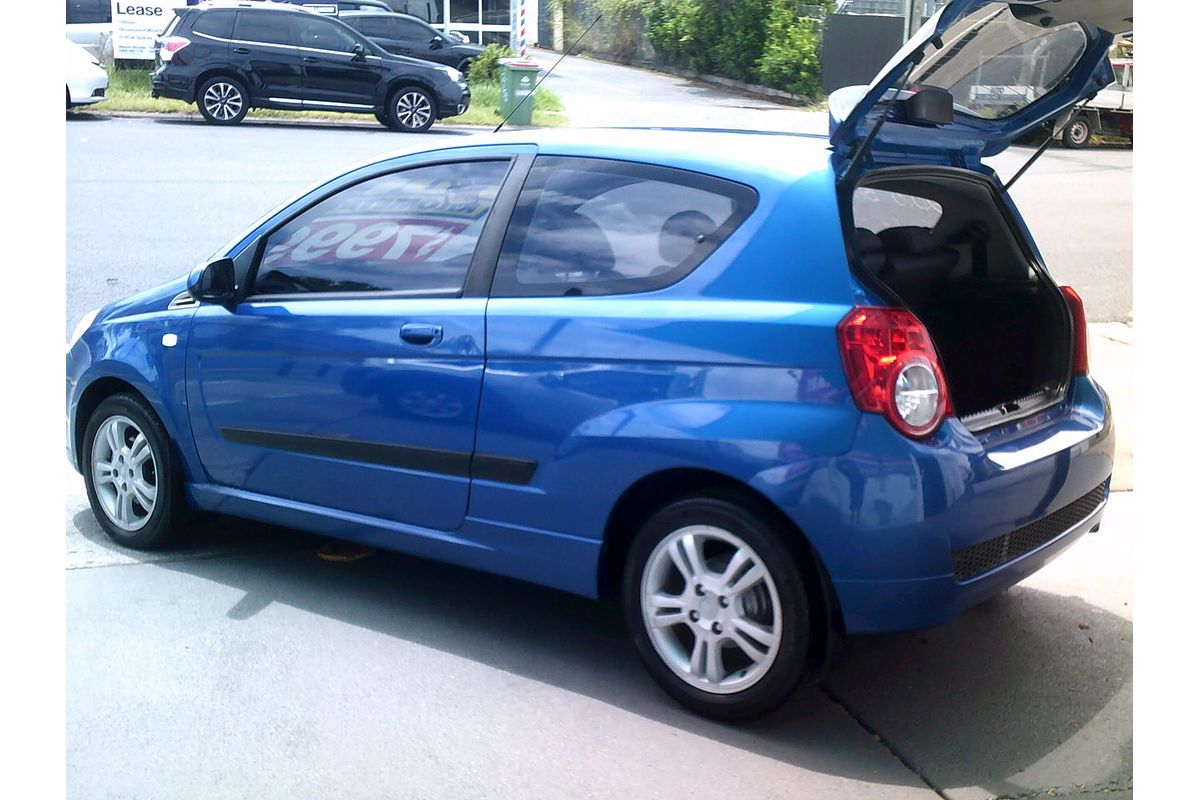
348	376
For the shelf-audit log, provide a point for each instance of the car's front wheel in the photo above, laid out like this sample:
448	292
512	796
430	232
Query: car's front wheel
222	100
127	470
717	608
411	109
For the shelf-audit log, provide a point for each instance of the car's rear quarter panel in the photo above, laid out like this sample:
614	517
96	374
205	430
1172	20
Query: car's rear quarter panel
734	370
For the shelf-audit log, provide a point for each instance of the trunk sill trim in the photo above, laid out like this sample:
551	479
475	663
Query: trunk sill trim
1005	412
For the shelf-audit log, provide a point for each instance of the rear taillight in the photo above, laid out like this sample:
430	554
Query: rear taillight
171	45
893	368
1079	362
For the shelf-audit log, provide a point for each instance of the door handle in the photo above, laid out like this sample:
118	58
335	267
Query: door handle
311	60
243	51
420	334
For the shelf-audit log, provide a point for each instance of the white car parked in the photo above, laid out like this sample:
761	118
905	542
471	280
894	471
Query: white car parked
86	79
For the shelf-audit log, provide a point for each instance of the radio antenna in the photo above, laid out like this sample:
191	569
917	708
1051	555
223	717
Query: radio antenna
547	75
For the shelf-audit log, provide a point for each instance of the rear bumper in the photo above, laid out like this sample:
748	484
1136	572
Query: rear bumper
163	83
913	533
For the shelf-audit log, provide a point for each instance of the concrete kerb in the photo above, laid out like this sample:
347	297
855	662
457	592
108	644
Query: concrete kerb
348	122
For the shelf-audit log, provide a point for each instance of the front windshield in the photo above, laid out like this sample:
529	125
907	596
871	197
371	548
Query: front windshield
995	65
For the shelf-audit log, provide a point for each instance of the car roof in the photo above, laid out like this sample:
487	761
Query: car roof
382	13
268	5
749	156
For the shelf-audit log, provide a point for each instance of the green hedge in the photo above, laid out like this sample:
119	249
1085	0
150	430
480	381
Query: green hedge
772	42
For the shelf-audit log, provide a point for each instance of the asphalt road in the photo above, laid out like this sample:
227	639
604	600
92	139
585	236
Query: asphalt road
147	199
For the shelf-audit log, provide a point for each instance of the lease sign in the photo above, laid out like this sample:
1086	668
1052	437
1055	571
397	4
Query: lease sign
137	24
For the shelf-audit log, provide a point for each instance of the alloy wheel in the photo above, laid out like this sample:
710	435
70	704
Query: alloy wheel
125	473
223	101
711	609
413	109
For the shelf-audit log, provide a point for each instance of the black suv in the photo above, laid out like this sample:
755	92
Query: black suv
409	36
228	57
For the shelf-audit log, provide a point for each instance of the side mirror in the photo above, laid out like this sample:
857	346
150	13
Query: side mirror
359	52
436	42
214	282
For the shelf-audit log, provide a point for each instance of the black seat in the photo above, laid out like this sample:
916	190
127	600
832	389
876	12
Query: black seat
917	264
870	251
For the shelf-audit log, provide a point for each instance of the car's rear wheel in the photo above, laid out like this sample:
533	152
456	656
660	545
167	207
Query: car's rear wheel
222	100
717	608
132	486
1078	132
411	109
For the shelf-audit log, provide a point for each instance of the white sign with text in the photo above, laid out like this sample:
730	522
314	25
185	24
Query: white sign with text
137	23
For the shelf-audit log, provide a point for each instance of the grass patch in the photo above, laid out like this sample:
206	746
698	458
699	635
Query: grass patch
129	90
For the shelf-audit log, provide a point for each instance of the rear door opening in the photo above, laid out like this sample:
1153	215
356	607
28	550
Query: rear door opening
942	242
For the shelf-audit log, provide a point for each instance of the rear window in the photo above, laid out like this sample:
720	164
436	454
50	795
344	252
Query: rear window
215	23
995	64
593	226
263	26
878	210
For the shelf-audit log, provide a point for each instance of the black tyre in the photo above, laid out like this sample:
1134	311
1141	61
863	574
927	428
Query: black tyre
717	608
133	484
1078	132
223	100
464	65
411	109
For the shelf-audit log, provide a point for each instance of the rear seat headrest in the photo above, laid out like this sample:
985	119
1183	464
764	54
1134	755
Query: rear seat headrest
911	240
870	251
867	242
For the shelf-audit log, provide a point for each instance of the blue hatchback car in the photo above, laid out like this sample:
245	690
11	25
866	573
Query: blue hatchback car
763	388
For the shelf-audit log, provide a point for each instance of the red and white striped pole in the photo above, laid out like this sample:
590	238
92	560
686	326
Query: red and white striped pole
521	27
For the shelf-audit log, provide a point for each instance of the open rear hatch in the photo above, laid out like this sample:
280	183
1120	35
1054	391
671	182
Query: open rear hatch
931	228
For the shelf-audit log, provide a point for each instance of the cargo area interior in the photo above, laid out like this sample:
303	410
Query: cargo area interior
938	240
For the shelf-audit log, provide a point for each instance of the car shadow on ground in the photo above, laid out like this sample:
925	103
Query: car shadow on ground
76	115
988	696
252	123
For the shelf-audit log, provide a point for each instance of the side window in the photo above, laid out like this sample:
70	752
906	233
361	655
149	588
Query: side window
371	26
321	34
412	232
411	31
215	23
267	27
593	226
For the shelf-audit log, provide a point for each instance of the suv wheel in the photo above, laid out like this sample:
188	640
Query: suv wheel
222	100
411	109
717	608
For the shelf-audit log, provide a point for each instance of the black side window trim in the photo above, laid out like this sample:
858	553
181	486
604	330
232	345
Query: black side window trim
483	262
505	284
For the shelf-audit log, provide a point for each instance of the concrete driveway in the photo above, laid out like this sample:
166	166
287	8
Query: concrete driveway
243	665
